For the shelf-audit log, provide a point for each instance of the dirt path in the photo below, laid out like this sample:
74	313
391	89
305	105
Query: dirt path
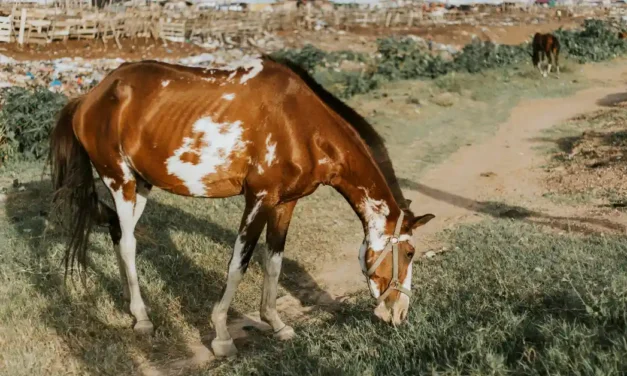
498	177
503	172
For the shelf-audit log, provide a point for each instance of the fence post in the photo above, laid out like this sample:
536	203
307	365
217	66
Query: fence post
20	37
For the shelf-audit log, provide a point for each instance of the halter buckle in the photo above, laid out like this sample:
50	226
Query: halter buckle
394	240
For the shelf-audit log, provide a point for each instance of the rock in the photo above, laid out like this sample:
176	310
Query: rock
444	99
430	254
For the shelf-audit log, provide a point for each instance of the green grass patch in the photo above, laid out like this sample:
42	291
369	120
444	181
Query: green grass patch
509	299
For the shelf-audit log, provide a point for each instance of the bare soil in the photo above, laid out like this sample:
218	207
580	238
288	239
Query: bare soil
590	166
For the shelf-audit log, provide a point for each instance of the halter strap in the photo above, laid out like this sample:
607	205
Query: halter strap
392	245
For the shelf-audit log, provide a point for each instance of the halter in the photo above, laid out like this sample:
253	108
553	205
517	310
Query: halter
393	246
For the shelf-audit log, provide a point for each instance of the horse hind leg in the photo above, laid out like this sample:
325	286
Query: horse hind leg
129	197
253	221
278	223
108	216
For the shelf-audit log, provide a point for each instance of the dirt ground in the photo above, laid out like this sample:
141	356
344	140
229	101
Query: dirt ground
364	40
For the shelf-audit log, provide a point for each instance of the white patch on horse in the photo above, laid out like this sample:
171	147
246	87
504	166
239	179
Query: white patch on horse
236	260
165	83
407	281
253	66
220	141
324	160
375	214
228	97
128	175
404	238
256	208
256	66
259	169
209	79
374	288
118	195
271	153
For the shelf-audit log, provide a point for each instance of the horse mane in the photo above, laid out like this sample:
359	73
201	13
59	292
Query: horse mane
368	134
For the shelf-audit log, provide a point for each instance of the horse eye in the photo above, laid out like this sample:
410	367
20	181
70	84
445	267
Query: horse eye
410	254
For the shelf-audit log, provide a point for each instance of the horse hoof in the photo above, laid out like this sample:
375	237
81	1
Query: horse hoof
144	327
285	334
223	348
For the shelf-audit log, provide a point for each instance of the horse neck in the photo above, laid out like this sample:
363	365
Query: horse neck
365	188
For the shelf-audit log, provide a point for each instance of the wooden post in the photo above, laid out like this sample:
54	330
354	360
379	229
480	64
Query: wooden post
20	37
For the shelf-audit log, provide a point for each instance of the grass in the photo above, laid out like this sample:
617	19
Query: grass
424	134
184	245
509	298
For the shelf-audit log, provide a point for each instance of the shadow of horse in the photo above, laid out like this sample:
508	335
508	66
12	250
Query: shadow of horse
94	339
612	100
502	210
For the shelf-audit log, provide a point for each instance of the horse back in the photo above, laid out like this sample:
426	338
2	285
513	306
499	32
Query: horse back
201	132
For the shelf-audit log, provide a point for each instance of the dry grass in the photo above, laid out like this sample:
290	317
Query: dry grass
589	159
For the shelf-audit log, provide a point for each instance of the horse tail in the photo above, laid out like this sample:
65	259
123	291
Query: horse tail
73	184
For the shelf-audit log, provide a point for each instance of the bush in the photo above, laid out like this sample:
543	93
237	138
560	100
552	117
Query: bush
402	59
478	56
596	42
26	119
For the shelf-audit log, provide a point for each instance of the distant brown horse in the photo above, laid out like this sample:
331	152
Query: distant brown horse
546	45
262	129
622	35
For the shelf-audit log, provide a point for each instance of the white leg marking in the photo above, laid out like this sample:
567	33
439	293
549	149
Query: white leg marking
218	315
272	268
140	202
122	269
127	249
128	246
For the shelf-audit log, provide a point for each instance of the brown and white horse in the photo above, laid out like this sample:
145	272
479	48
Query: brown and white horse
262	129
546	46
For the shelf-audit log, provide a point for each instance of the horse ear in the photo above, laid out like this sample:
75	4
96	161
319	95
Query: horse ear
422	220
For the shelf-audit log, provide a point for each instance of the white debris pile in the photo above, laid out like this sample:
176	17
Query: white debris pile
74	76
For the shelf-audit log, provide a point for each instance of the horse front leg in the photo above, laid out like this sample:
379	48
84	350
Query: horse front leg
253	221
276	234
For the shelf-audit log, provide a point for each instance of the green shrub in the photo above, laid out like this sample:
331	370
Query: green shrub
597	41
26	118
478	56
